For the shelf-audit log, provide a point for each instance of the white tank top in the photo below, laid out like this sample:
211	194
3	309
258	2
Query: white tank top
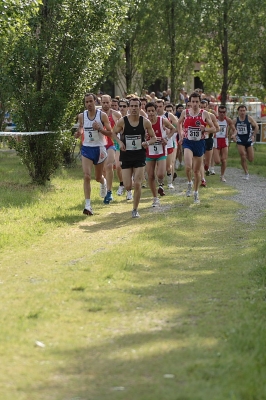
223	129
93	138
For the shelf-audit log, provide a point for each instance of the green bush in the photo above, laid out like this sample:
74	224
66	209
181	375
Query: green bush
41	154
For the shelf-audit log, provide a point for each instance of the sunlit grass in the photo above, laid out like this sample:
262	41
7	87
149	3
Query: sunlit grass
170	306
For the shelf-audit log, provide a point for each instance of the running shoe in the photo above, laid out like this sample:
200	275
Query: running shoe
156	202
189	188
135	214
120	190
161	191
196	198
174	177
88	211
103	189
129	195
144	184
212	172
108	197
246	177
203	183
207	172
170	186
222	178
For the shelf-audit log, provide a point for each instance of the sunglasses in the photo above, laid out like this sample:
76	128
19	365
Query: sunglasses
123	105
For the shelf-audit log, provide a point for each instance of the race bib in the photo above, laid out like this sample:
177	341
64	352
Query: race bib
91	136
194	133
156	149
222	132
133	142
242	129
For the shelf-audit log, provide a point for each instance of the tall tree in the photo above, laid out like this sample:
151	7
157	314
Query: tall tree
230	32
62	56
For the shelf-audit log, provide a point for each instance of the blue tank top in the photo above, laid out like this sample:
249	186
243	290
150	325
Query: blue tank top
244	130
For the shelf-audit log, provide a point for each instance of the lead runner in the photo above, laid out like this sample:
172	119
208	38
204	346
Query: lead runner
194	121
133	144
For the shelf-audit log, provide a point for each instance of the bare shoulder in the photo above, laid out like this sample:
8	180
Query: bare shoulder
182	116
146	123
251	120
117	114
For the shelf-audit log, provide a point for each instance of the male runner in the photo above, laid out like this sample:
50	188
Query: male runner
133	144
113	117
220	141
194	120
123	108
245	137
156	153
170	144
91	127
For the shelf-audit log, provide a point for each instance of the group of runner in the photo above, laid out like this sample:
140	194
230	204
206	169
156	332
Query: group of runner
141	137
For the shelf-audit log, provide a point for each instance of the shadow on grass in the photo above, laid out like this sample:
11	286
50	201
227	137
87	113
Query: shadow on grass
186	355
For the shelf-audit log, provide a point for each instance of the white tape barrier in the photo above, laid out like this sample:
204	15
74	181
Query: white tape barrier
23	133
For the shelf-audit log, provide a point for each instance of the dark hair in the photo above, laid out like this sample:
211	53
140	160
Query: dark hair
143	99
134	99
222	107
123	101
114	100
169	105
91	94
194	94
150	104
179	105
241	106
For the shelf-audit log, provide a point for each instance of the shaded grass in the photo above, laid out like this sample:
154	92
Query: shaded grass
170	306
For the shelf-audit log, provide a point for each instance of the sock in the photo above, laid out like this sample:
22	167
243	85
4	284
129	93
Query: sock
87	203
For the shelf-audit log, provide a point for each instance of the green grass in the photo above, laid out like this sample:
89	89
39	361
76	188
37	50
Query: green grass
170	306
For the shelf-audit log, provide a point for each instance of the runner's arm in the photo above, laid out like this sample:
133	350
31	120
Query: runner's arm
80	128
211	128
179	126
147	125
108	130
233	136
255	127
171	129
118	128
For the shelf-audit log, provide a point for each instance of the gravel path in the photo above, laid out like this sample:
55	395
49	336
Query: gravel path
251	194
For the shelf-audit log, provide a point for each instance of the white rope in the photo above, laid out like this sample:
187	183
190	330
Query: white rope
23	133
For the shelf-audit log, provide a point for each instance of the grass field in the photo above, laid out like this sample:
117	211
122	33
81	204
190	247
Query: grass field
170	306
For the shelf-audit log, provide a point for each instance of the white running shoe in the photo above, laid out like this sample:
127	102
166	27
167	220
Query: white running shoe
135	214
129	195
88	210
189	188
196	198
246	177
120	190
156	202
170	186
222	178
103	189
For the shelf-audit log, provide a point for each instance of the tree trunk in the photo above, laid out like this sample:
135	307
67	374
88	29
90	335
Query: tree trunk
128	67
173	51
225	56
